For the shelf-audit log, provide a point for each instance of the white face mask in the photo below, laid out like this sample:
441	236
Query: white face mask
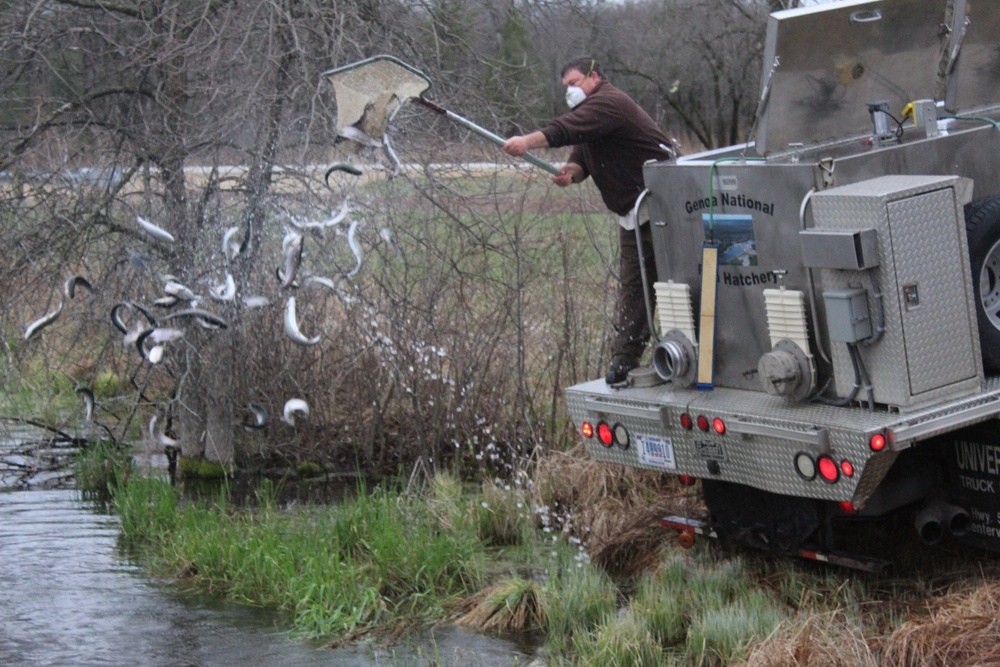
574	95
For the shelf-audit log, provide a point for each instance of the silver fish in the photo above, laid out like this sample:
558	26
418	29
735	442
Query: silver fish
154	231
292	326
88	402
165	334
345	167
229	249
158	335
160	436
293	259
42	322
325	282
225	292
345	208
354	134
257	418
131	337
352	241
397	168
120	324
155	354
292	406
69	288
174	288
256	301
167	301
202	315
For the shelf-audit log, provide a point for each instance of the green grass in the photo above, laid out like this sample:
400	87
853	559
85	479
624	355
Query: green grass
100	468
378	561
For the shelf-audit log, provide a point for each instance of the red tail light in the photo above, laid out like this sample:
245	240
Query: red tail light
847	507
828	469
604	434
719	426
687	480
587	429
703	422
847	468
877	442
686	421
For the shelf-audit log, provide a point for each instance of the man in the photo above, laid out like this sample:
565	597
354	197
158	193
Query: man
611	138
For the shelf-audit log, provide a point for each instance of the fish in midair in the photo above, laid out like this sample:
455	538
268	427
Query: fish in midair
292	406
160	436
42	322
345	208
154	231
224	292
203	316
256	301
230	250
88	402
69	288
159	336
257	418
181	291
352	241
292	326
292	247
168	301
361	137
397	168
120	324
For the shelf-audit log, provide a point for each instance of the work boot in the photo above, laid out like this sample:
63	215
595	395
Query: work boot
618	373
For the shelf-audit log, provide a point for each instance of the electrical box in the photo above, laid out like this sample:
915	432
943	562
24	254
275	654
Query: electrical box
929	349
847	317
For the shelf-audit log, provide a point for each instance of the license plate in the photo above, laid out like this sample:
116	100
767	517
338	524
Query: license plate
656	451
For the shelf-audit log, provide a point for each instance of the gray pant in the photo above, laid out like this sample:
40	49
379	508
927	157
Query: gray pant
631	325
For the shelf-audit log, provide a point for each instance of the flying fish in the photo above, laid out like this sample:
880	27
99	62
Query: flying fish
42	322
292	406
154	231
257	418
88	402
352	241
225	292
292	326
69	288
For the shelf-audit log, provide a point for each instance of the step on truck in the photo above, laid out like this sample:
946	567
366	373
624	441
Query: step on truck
828	304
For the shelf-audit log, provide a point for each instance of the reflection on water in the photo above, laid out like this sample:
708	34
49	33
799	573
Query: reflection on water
69	597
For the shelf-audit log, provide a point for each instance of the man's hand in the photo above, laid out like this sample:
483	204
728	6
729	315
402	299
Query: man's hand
519	145
516	146
571	173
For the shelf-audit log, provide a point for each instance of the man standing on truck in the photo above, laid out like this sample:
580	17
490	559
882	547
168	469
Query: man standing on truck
611	138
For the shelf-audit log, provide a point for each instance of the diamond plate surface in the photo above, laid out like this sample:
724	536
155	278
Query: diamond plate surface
930	352
763	462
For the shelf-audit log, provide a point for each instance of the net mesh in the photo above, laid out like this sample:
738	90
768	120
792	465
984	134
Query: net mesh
369	93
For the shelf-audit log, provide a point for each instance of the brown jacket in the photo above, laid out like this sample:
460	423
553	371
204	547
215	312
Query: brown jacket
611	137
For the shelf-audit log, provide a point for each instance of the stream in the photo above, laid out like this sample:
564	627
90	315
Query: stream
69	596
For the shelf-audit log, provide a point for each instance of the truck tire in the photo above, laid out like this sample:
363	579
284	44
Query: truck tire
982	225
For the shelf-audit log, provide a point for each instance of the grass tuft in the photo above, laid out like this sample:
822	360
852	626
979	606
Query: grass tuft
513	605
101	467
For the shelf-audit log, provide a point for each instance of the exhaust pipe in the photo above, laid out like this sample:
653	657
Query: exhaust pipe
936	517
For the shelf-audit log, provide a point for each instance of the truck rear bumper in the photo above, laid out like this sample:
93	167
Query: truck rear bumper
765	442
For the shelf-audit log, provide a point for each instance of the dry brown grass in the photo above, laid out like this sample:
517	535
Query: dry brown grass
960	629
615	510
818	640
513	605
